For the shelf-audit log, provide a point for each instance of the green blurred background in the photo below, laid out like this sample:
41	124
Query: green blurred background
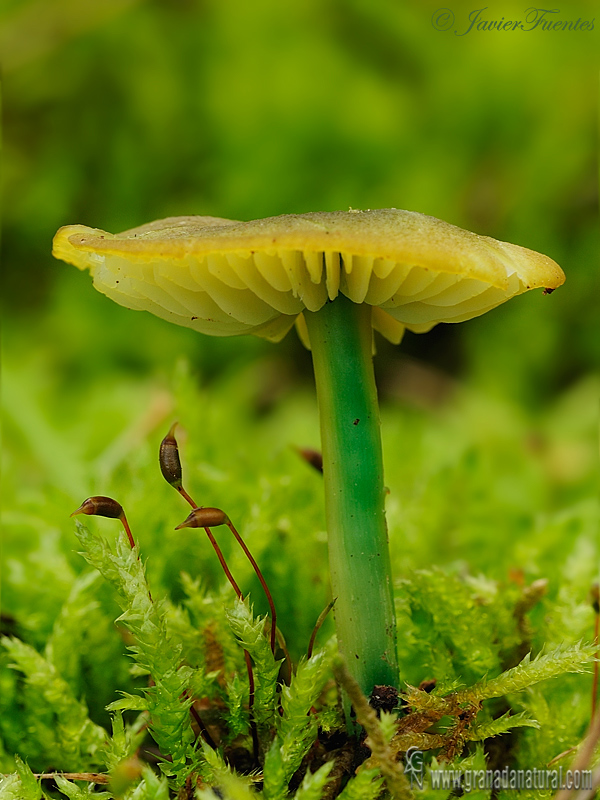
118	112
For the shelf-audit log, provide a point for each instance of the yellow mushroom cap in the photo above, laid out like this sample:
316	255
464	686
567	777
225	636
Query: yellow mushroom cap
224	277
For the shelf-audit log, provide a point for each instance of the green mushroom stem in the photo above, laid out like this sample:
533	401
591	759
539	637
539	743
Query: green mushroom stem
341	338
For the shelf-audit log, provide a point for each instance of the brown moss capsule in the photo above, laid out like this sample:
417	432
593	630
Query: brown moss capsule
170	465
100	506
312	457
204	518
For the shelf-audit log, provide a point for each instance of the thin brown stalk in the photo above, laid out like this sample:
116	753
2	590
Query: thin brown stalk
263	583
317	627
596	662
584	756
123	519
203	729
186	496
226	569
239	595
289	665
249	669
92	777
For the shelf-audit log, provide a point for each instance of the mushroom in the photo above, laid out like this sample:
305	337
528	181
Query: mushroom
337	275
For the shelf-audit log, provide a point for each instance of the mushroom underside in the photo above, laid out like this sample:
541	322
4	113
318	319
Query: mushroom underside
263	293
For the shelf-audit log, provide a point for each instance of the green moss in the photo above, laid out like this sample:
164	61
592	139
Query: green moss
497	561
